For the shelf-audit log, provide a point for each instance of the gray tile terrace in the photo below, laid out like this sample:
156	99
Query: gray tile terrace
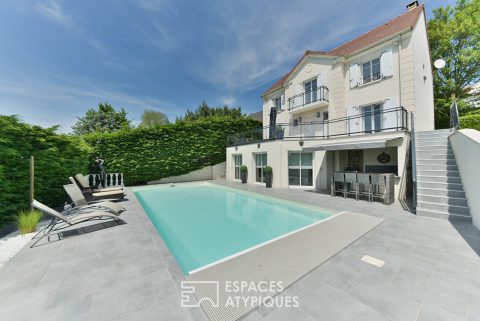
125	272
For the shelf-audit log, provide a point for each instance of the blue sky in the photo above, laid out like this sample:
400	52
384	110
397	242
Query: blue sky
59	58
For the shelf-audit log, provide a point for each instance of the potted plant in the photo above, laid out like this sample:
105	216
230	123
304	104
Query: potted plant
267	171
243	173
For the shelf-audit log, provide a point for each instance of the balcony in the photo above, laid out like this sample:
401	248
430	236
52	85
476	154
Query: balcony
391	119
309	99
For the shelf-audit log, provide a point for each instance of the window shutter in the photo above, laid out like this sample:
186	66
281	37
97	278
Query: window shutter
354	77
391	118
353	125
386	63
298	90
282	98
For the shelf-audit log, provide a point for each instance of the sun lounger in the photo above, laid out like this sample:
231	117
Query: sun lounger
60	221
84	185
118	194
81	204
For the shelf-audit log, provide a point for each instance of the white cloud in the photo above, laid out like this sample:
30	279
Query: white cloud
54	11
228	101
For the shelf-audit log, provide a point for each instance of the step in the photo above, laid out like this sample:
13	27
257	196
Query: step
425	184
430	148
436	131
455	201
435	153
446	208
428	161
436	135
437	172
443	192
438	179
445	167
443	215
435	156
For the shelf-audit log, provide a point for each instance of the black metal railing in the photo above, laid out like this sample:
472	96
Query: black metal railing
391	119
318	94
372	77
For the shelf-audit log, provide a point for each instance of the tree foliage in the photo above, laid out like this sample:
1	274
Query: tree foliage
152	118
454	34
57	157
104	119
205	111
145	154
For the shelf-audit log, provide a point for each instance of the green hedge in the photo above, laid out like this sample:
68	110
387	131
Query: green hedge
57	156
145	154
470	121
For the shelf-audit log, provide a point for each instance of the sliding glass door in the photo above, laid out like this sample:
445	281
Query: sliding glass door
300	169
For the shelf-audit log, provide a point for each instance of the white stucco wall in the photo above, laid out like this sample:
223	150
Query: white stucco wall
206	173
466	146
423	99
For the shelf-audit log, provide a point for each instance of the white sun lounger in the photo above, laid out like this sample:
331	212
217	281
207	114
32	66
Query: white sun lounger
81	204
117	194
60	221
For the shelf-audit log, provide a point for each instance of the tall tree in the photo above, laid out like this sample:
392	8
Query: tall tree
104	119
152	118
204	111
454	34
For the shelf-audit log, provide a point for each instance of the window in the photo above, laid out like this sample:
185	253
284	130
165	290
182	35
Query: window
260	163
371	70
300	169
238	162
372	118
295	122
319	114
310	91
278	102
325	115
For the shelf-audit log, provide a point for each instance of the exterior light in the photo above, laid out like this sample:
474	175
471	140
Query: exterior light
439	63
300	143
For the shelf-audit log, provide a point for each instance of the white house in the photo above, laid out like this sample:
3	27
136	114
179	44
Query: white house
345	109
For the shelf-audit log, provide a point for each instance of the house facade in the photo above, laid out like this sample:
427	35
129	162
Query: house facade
347	109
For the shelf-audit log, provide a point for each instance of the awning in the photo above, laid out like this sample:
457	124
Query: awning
366	144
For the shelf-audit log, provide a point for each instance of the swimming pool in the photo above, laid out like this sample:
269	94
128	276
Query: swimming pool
202	223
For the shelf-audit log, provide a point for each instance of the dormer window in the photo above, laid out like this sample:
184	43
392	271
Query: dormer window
371	71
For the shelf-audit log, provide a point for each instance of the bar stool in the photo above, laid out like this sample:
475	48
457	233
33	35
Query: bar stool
364	186
339	185
351	186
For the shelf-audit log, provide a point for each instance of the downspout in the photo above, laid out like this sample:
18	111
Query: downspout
399	39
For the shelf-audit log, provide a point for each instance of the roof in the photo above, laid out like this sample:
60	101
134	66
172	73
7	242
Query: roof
258	115
398	24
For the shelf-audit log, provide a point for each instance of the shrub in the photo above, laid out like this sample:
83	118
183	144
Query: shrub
57	156
243	168
267	170
27	221
145	154
470	121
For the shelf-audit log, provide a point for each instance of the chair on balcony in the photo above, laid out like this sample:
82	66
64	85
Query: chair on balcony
364	186
338	184
379	186
351	186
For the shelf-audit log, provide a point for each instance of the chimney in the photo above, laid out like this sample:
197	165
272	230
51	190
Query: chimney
412	5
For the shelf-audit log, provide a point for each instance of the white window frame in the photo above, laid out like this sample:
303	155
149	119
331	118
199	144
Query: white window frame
372	117
261	166
277	102
237	166
372	79
312	94
300	167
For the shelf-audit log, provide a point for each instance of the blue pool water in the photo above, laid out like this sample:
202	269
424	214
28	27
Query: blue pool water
202	222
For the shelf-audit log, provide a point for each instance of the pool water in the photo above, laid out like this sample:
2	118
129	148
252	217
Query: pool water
202	222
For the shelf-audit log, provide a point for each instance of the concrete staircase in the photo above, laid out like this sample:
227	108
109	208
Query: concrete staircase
439	186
